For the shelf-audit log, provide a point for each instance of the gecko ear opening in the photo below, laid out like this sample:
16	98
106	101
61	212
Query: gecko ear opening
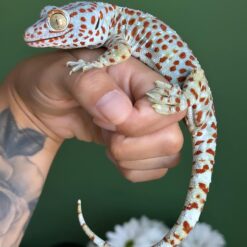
44	12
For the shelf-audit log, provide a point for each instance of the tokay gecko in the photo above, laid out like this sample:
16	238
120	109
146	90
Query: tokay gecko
125	32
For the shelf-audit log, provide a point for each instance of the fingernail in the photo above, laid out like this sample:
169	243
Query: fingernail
113	106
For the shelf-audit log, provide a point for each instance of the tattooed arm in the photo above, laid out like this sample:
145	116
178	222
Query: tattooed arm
26	153
41	105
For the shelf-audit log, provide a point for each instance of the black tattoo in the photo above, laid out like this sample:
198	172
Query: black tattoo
15	141
20	179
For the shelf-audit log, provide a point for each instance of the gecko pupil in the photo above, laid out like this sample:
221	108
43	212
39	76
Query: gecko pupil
97	25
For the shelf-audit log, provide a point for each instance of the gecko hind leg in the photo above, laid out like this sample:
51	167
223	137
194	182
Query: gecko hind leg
167	98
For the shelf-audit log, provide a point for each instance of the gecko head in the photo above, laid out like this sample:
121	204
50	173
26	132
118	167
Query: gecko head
76	25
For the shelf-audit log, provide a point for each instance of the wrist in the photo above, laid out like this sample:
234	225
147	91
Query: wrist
26	119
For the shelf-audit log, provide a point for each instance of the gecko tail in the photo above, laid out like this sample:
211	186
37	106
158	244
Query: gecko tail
202	124
92	236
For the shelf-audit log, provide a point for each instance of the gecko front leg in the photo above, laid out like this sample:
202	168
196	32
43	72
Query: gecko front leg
118	50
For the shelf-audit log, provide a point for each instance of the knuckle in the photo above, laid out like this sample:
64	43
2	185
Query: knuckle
130	175
116	151
162	173
84	80
173	161
90	84
174	141
135	177
116	146
124	164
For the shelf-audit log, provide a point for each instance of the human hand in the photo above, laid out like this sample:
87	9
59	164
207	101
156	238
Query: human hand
142	143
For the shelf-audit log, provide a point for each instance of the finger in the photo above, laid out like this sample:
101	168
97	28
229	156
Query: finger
147	164
164	142
151	164
98	93
143	118
143	176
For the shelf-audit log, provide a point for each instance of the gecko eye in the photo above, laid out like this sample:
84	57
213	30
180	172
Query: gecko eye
58	20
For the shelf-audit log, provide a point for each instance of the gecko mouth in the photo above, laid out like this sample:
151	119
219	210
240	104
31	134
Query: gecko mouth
30	41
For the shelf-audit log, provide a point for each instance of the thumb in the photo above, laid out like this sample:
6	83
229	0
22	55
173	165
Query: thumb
97	92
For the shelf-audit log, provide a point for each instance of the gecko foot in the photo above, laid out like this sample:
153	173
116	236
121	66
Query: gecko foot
83	65
167	98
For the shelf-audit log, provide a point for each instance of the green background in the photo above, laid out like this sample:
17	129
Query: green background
217	33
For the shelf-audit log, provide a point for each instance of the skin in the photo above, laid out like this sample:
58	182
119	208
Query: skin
131	127
41	96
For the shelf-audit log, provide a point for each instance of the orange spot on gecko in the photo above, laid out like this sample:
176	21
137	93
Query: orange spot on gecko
148	35
112	60
199	142
93	20
199	133
173	68
210	151
182	71
186	227
164	47
199	116
82	10
158	65
138	37
181	78
198	152
192	90
73	14
146	24
204	169
134	31
192	205
213	125
163	59
163	27
180	44
103	29
189	63
156	49
124	22
182	55
192	57
149	55
168	78
203	187
159	41
149	43
70	25
83	18
210	141
131	21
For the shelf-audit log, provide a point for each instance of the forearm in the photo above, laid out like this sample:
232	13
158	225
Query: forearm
26	153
